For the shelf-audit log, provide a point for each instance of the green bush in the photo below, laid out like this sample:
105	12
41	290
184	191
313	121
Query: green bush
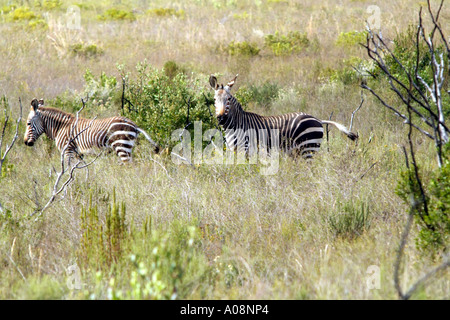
166	12
434	234
171	69
85	50
351	39
265	94
134	262
51	4
8	9
100	91
404	49
117	14
22	13
293	42
159	103
244	95
242	49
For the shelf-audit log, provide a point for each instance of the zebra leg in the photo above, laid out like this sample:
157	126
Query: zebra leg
123	149
71	154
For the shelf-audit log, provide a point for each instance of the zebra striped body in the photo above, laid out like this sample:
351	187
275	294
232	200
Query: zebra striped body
298	133
78	137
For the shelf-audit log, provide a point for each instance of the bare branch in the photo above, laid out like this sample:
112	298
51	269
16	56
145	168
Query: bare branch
444	265
374	45
397	113
354	112
16	135
400	253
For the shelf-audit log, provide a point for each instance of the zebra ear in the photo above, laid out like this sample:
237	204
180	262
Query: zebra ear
41	102
35	104
231	83
213	82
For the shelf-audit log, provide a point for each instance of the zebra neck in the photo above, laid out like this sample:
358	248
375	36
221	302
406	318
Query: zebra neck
234	116
241	119
55	121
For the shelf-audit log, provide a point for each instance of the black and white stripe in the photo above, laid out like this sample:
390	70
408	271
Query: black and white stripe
117	133
298	133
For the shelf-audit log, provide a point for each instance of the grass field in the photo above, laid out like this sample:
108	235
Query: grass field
156	230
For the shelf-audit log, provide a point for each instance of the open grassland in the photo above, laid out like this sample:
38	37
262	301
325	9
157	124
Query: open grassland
157	230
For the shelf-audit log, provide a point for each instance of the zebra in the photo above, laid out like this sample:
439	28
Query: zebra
298	133
77	137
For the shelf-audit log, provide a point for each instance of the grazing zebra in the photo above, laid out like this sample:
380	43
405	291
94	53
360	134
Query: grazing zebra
82	136
299	133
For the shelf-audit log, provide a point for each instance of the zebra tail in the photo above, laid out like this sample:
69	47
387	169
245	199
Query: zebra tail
342	128
155	145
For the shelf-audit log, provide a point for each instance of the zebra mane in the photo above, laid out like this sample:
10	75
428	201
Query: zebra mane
237	103
50	111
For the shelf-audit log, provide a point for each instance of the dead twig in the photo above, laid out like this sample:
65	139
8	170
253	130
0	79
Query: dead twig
79	165
2	136
354	112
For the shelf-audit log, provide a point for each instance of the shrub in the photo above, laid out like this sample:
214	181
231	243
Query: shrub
101	91
51	4
37	23
350	220
242	49
159	103
162	264
404	50
434	234
265	94
351	39
286	44
8	9
117	14
345	75
85	50
244	15
171	69
166	12
244	95
22	13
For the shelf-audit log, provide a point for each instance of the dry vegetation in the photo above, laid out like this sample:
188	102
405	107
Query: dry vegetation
157	230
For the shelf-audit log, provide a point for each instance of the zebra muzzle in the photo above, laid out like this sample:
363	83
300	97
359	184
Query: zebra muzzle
29	143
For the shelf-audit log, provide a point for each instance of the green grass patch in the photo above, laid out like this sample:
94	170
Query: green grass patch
166	12
244	48
117	15
85	50
293	42
351	38
350	220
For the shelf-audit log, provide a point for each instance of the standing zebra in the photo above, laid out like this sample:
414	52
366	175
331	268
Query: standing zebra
298	132
79	137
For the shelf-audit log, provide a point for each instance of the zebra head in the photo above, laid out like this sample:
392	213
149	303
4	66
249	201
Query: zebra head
35	125
222	97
